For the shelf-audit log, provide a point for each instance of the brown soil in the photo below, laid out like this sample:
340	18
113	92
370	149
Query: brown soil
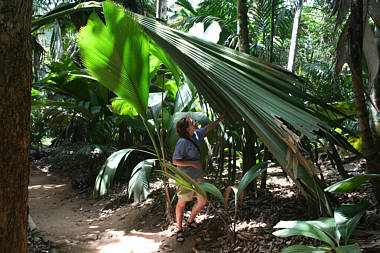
78	225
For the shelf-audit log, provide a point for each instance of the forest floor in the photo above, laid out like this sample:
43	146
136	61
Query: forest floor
68	219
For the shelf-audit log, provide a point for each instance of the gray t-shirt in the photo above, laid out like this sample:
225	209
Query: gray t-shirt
185	150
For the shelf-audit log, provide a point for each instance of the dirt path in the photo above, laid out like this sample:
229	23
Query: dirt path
79	225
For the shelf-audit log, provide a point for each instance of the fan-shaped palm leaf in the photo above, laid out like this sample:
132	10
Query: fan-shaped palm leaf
266	97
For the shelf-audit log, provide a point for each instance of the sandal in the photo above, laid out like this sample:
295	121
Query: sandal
192	225
180	236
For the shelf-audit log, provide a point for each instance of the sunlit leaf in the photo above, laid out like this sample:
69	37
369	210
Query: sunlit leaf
121	106
347	216
108	51
302	228
350	185
139	182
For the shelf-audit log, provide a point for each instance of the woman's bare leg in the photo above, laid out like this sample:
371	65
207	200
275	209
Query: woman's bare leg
179	212
201	202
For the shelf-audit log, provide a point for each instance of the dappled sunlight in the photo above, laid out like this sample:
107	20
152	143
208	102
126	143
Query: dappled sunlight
134	241
46	186
250	225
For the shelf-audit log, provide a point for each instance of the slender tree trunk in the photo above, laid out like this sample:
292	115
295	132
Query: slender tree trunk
355	60
15	83
375	96
249	157
272	25
161	9
242	15
293	42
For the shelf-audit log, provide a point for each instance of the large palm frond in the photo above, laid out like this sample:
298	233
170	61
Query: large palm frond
263	95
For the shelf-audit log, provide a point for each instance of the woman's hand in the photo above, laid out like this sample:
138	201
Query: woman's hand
213	124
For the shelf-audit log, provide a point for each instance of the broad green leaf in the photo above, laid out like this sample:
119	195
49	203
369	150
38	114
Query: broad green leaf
116	54
154	66
347	217
326	225
350	184
302	228
121	106
352	248
210	188
305	249
108	170
139	182
250	175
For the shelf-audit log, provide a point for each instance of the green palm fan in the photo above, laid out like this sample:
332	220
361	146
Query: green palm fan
266	97
117	55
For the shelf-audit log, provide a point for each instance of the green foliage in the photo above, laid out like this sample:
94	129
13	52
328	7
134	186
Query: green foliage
108	171
305	249
121	106
108	49
328	230
139	182
347	217
350	184
356	142
38	129
210	188
251	175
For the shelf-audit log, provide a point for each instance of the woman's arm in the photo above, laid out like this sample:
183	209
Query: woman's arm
180	162
213	124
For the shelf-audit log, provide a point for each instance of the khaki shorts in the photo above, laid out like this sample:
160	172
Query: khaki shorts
186	194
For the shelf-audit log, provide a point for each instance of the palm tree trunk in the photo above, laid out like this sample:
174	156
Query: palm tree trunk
161	9
15	86
356	44
242	28
293	42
